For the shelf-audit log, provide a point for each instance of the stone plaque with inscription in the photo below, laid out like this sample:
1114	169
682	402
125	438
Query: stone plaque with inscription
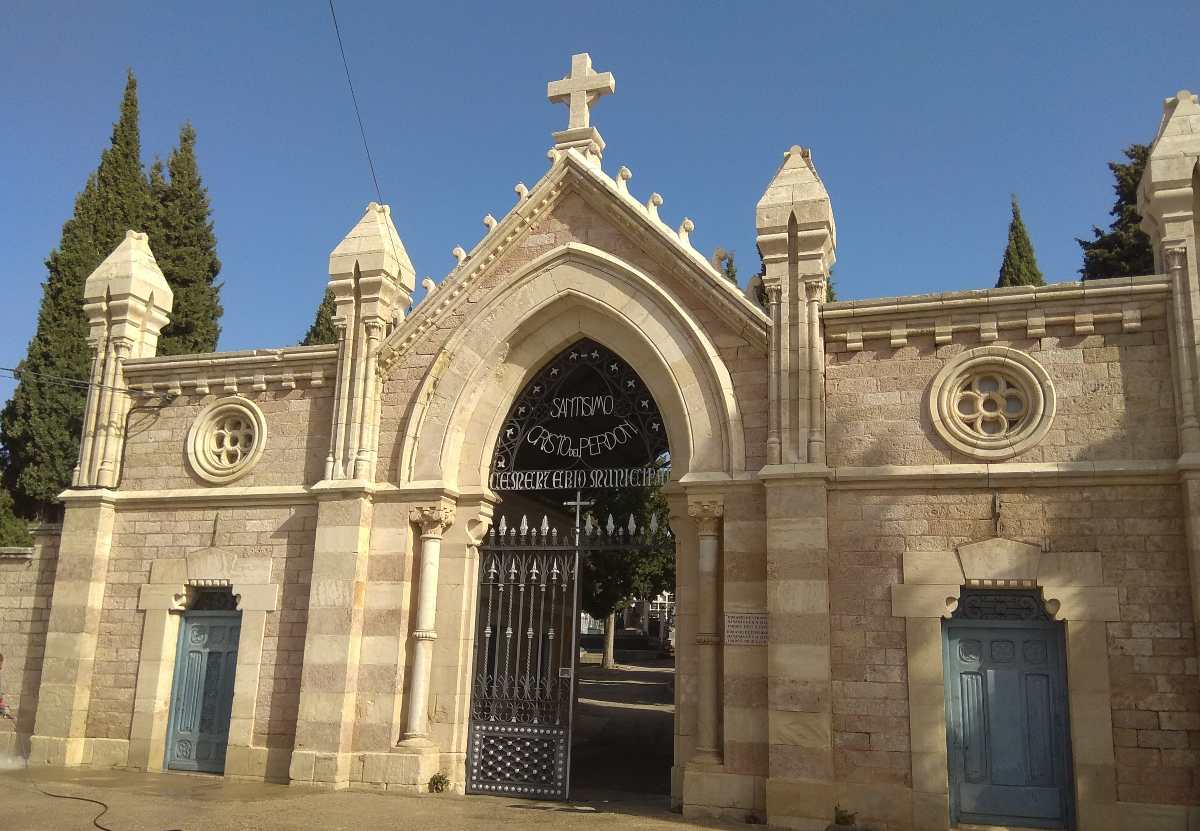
746	629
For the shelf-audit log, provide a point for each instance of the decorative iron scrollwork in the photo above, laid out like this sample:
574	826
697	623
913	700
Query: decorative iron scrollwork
1001	604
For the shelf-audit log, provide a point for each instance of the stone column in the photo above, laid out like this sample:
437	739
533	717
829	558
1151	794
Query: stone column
799	788
329	679
73	628
433	520
707	513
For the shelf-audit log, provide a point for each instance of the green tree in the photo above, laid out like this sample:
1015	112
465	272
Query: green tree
13	529
182	239
322	330
610	579
722	260
41	424
1124	249
1020	266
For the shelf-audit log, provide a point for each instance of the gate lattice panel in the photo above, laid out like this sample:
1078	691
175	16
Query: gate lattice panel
526	648
525	643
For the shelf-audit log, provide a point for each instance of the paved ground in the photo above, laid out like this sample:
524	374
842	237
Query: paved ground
621	764
163	802
623	734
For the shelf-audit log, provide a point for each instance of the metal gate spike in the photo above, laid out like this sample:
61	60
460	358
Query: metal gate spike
545	525
611	526
524	525
632	525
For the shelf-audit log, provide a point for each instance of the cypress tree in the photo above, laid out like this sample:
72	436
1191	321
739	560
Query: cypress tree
1020	266
13	529
41	424
322	330
1124	249
182	239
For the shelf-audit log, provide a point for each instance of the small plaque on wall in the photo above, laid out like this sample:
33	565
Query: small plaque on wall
746	629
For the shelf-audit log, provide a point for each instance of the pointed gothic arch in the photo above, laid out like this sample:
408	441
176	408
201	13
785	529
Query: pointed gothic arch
572	292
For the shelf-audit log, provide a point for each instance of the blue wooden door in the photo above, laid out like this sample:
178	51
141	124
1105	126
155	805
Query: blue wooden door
202	698
1007	716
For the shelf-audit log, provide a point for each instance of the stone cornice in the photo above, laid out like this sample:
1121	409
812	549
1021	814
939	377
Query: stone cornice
230	372
267	494
987	313
12	553
1011	474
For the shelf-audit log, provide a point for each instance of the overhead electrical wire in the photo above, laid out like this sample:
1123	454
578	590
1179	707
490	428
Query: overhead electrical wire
357	114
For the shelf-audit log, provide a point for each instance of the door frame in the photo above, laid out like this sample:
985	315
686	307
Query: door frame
1074	592
180	651
1055	629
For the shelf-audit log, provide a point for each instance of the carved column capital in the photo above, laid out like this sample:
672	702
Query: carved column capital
774	290
814	290
707	512
432	519
1175	257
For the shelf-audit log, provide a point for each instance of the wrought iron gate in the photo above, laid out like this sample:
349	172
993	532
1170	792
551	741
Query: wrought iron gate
526	652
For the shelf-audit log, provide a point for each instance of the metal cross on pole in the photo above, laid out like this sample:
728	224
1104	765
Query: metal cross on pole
578	503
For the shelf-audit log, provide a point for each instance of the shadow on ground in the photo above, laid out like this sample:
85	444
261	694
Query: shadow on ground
623	733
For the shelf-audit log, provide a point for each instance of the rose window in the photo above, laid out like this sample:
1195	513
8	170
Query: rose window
230	440
992	402
226	440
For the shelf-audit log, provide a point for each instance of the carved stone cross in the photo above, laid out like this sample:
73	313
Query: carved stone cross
580	89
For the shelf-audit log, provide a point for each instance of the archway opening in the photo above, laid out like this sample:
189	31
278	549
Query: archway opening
575	623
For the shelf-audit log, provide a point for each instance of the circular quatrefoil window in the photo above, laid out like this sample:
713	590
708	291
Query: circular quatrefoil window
226	440
992	402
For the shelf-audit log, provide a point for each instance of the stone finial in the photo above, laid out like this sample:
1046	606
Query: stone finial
489	222
1165	198
796	191
429	286
459	254
579	91
624	174
685	229
374	246
521	191
128	298
652	205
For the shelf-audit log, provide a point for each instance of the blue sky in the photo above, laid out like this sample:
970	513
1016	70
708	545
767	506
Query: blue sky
923	118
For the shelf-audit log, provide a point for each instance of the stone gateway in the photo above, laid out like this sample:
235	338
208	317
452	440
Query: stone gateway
938	557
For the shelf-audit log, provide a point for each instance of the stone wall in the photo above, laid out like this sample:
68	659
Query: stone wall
1139	533
387	623
297	440
25	588
282	534
1114	392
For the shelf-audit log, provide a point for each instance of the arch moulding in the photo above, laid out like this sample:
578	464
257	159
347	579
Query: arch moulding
572	292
